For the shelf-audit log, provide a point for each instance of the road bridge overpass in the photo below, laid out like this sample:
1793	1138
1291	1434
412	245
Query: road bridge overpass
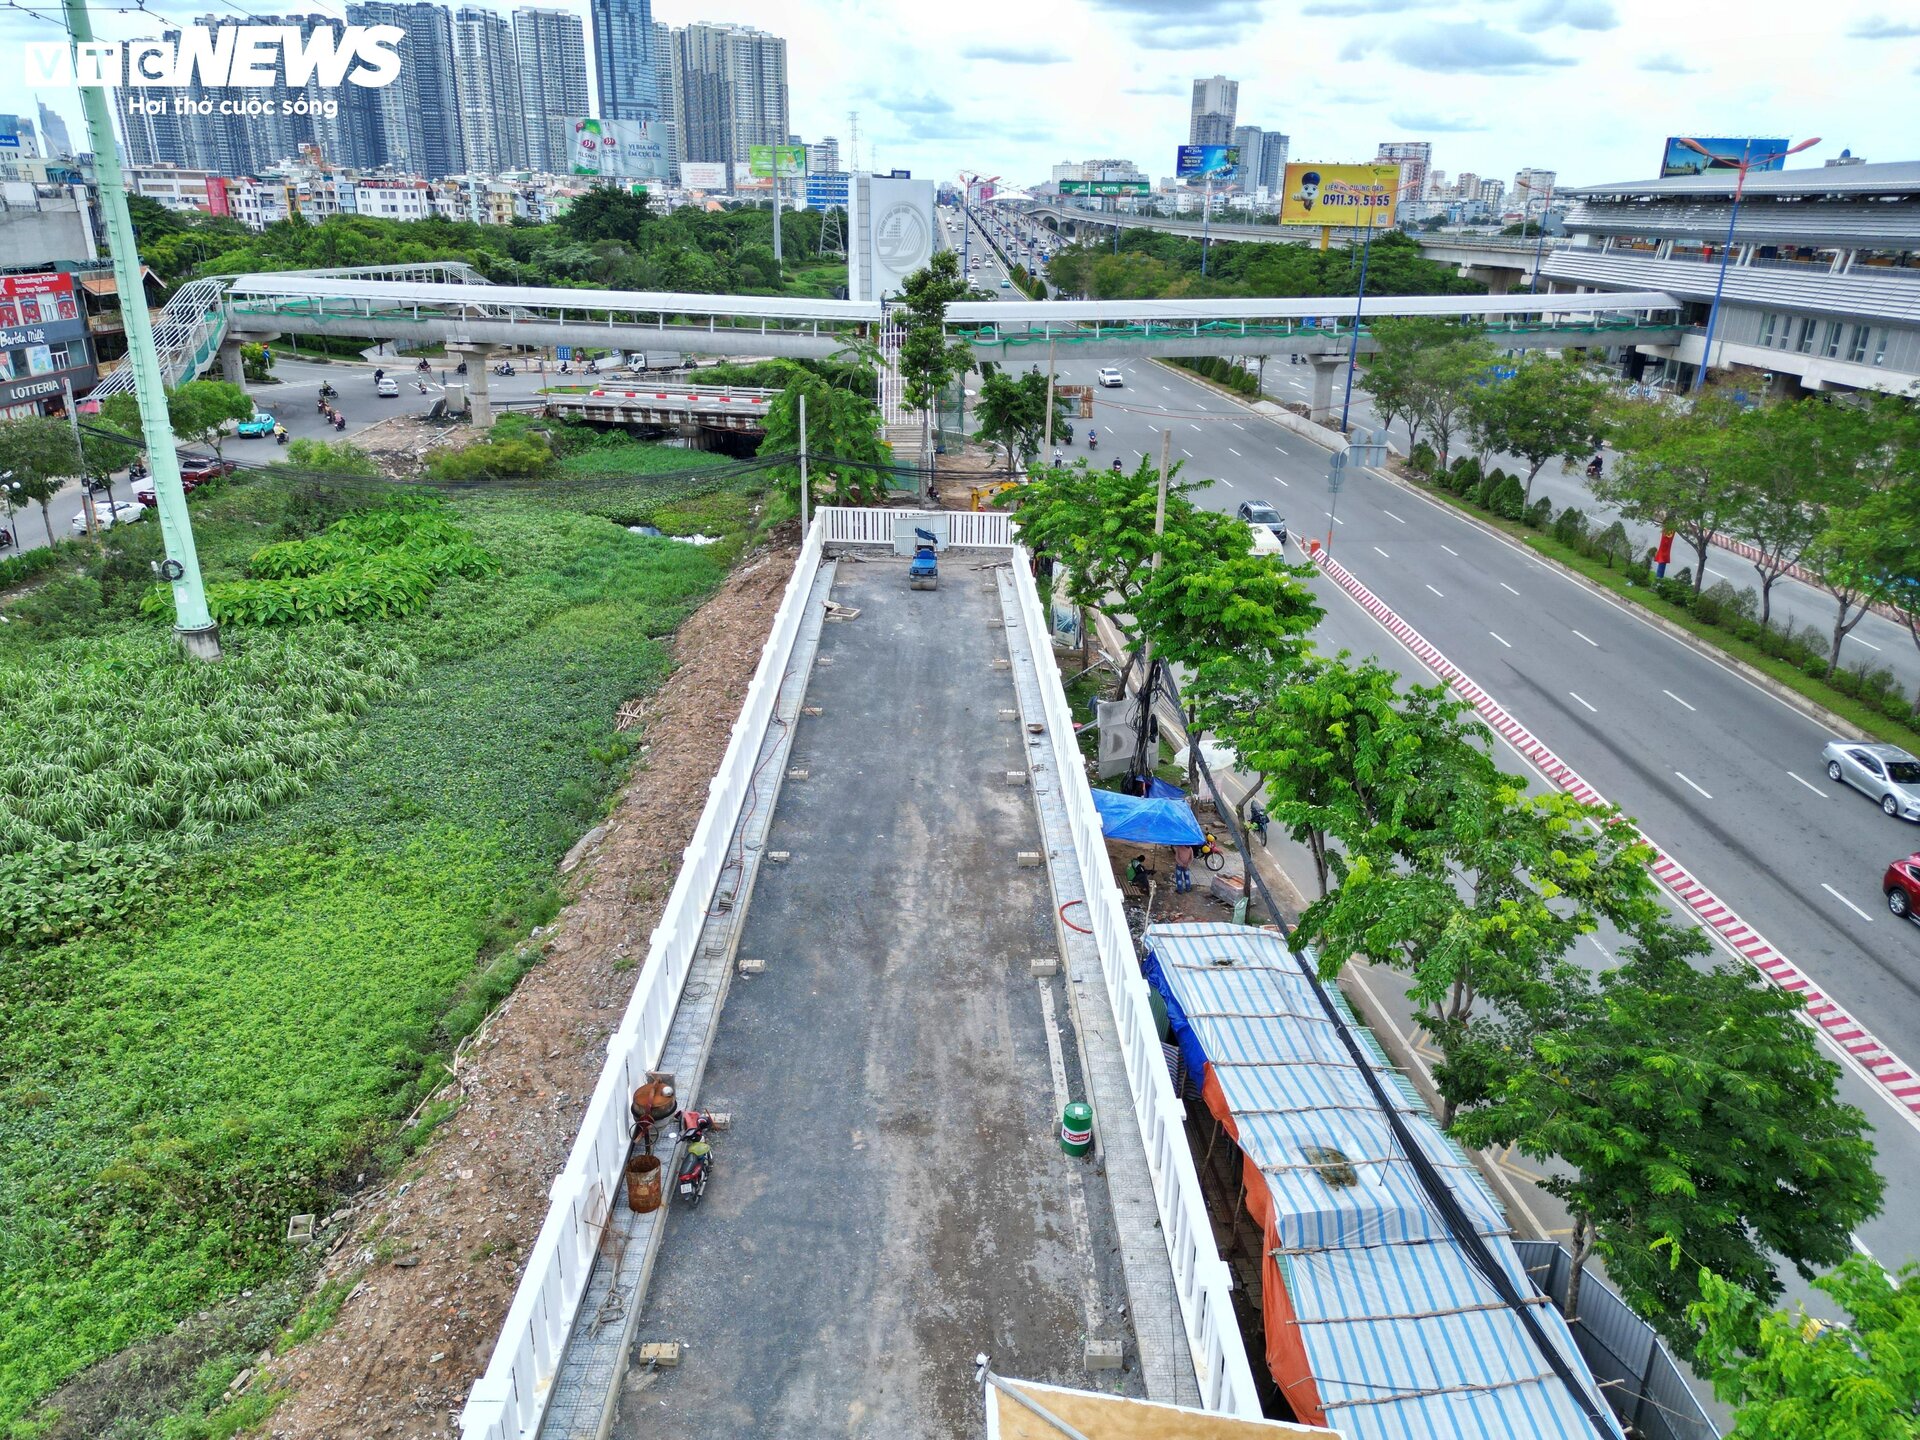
1502	261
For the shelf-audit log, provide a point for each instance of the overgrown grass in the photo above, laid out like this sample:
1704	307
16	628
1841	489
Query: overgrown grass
177	1080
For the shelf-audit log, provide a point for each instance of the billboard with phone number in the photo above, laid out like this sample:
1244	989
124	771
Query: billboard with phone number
1680	158
1358	195
792	160
1218	162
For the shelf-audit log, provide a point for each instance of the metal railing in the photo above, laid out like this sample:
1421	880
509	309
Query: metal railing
980	530
510	1399
186	335
1201	1278
1642	1382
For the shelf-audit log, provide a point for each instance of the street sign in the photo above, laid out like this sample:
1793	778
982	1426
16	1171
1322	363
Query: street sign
1367	448
1336	471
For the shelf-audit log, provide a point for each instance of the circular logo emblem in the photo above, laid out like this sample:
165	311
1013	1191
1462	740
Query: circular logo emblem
901	237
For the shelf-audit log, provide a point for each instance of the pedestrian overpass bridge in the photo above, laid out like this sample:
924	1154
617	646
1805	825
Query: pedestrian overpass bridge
451	306
1500	261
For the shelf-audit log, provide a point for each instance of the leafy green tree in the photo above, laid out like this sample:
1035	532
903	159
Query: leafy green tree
1326	739
1781	492
1012	413
1445	377
1694	1116
1551	407
1677	469
606	212
848	459
340	457
36	461
1792	1377
105	448
1872	463
1478	890
1393	374
1213	608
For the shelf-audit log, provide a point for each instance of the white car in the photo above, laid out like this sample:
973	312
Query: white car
1111	378
386	387
106	515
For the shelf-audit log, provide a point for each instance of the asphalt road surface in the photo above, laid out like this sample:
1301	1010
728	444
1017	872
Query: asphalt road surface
1724	776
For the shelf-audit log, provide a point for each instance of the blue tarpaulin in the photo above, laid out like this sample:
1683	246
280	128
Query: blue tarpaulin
1147	822
1158	789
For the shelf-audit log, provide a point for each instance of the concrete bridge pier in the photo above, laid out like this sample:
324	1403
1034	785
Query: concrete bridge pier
1327	370
1499	279
480	409
233	368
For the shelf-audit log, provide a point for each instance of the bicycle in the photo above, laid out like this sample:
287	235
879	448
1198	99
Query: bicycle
1211	855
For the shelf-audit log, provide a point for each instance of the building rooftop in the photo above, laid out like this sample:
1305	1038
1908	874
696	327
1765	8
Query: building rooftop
1850	182
1380	1311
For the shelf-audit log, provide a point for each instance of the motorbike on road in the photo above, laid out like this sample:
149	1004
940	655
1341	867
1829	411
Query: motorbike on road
693	1175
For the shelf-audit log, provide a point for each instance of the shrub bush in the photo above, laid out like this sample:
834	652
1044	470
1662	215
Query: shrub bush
1465	474
1539	513
29	563
1570	527
1507	499
1481	490
520	455
1612	546
1420	459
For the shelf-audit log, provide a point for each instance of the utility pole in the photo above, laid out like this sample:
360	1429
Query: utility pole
803	469
1160	500
80	458
192	622
1048	445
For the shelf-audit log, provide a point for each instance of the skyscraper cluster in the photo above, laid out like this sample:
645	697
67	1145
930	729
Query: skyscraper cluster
483	92
1214	121
477	92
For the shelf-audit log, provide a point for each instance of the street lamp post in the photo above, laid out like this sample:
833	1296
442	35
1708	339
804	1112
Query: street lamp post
1353	344
1748	160
1540	243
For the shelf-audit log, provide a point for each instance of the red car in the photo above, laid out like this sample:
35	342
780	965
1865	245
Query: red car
195	470
1902	884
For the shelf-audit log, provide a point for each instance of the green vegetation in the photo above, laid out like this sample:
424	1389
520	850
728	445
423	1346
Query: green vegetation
250	903
1222	371
1154	264
1679	1113
607	239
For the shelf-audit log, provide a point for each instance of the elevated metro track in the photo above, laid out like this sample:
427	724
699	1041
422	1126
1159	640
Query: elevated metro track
500	315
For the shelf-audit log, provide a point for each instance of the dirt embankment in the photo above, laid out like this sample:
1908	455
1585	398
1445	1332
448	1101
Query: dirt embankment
437	1255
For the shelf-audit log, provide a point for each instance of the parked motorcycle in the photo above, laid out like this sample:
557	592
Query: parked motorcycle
6	538
698	1167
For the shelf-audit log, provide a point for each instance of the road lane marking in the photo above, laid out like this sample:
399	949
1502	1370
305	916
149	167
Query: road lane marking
1589	639
1436	592
1451	551
1676	699
1282	481
1337	520
1237	425
1596	945
1842	1034
1283	449
1187	453
1194	426
1696	787
1868	643
1501	639
1508	588
1381	553
1583	702
1226	482
1815	788
1232	451
1846	902
1391	516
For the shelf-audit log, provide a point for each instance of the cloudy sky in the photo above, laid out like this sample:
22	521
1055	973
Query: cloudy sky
1587	87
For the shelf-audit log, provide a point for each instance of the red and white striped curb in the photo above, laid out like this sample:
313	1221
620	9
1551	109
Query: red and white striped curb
1804	575
1879	1063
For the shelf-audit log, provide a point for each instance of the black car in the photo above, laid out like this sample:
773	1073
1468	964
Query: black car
1258	512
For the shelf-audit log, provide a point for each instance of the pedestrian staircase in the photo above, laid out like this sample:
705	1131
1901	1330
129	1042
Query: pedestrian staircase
186	335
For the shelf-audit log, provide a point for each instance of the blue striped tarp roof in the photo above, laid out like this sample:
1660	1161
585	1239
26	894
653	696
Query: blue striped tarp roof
1404	1335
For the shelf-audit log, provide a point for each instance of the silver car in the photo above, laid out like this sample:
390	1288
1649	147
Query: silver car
1884	773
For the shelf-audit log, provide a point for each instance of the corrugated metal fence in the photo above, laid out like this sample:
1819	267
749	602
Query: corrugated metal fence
1642	1382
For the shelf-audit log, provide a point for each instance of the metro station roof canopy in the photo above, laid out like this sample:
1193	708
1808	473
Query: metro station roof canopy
1895	180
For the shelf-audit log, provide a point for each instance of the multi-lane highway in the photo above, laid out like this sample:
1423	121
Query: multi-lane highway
1724	776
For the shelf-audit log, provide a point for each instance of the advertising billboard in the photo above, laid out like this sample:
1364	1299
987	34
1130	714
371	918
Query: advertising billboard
40	299
1103	187
620	149
890	235
1219	162
792	160
703	174
1682	159
1359	195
